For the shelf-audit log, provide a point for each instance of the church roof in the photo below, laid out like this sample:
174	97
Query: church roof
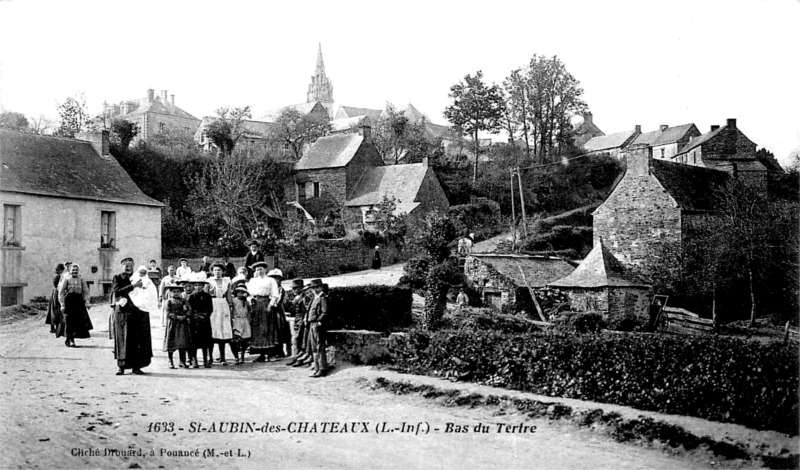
352	111
303	108
58	167
399	181
606	142
600	268
344	124
692	187
333	151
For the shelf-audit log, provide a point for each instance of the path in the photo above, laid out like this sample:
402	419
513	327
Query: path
59	404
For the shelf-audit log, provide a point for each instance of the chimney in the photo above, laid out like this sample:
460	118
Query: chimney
638	129
123	108
731	123
150	95
366	132
587	117
99	141
172	99
638	160
663	127
714	127
164	96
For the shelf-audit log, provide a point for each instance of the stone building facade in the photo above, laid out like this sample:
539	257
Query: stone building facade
654	208
154	116
586	130
69	200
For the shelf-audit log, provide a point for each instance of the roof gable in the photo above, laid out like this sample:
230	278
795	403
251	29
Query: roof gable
351	111
600	268
399	181
333	151
697	141
156	106
53	166
692	187
670	135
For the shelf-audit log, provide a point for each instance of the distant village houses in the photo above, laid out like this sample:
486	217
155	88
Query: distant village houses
153	115
69	200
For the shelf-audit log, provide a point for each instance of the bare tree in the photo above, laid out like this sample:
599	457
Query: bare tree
297	129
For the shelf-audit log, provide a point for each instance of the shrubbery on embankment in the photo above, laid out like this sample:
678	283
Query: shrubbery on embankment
722	379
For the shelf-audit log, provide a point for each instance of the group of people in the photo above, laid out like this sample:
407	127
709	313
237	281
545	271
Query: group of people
244	309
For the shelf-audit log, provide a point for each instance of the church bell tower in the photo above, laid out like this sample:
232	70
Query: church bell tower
320	88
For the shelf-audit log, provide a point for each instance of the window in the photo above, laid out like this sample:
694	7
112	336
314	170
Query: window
161	127
316	189
694	157
301	193
108	229
11	225
286	149
662	154
11	295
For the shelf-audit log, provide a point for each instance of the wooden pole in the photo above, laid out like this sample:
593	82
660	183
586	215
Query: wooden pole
522	203
533	296
513	214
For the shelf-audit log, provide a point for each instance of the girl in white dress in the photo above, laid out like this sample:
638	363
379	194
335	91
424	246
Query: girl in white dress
220	290
145	298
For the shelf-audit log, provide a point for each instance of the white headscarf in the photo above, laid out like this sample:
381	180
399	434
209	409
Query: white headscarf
146	297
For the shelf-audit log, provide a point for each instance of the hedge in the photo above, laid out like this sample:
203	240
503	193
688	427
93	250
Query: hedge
721	379
371	307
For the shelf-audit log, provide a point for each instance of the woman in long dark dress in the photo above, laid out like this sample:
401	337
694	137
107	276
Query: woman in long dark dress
54	318
73	294
200	308
264	297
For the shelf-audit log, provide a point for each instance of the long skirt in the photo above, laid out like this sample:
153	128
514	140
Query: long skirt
265	326
130	329
221	320
201	332
178	335
76	317
54	317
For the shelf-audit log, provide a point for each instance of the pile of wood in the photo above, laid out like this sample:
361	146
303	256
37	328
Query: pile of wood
678	320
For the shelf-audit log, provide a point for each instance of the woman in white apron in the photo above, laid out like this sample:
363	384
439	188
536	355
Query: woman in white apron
220	290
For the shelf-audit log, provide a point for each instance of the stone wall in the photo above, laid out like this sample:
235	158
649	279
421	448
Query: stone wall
587	300
366	157
485	277
638	221
627	301
332	182
431	195
322	258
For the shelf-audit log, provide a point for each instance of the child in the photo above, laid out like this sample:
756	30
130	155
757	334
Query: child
178	333
241	323
200	308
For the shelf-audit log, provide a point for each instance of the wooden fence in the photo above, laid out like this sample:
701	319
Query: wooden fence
791	334
678	320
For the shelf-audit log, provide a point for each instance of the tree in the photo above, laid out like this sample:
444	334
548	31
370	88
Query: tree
543	98
477	107
73	116
226	131
14	121
296	129
123	131
435	235
40	124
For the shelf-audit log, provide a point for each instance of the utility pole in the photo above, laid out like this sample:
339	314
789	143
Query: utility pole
522	202
513	213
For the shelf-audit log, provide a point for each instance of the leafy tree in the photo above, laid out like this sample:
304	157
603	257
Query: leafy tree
73	116
435	235
297	129
226	131
14	121
477	107
516	111
123	131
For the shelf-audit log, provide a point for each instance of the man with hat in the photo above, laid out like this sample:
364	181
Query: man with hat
298	308
129	327
254	256
200	308
317	315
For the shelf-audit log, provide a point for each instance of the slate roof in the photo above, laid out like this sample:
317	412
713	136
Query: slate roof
605	142
700	140
600	268
672	134
691	186
646	138
399	181
352	111
303	108
333	151
343	124
539	270
145	106
53	166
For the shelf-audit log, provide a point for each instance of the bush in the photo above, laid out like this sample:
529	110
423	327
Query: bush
415	273
371	307
722	379
562	237
481	217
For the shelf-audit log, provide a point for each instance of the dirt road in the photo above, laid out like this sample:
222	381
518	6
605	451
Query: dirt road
64	408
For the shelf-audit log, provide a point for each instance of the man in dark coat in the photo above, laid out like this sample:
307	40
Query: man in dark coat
129	326
205	266
254	256
230	269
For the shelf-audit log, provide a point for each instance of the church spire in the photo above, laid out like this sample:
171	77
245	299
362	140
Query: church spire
320	88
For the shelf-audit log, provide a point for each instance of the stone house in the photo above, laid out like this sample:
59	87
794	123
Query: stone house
586	130
347	170
69	199
601	284
725	148
153	115
612	144
671	139
654	209
502	286
254	141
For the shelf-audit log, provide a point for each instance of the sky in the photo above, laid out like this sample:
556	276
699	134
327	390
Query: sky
639	62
